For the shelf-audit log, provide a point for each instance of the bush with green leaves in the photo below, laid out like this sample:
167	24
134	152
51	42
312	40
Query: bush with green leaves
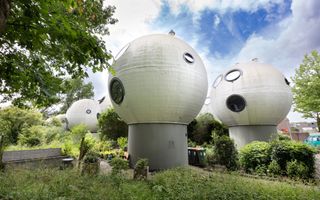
225	152
111	125
285	151
32	136
91	157
200	130
274	168
122	142
118	165
141	169
17	119
254	155
297	169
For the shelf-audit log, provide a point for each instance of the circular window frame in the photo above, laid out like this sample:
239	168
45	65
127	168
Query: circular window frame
231	71
242	99
187	55
115	79
88	111
217	81
122	51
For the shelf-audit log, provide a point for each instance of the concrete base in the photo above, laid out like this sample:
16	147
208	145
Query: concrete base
164	145
243	135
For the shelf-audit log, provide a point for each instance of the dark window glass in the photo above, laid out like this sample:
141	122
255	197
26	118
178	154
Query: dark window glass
116	90
233	75
188	58
236	103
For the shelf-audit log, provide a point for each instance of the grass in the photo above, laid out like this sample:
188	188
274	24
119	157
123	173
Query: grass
180	183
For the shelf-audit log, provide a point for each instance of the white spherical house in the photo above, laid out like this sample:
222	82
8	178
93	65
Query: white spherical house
159	87
251	98
84	111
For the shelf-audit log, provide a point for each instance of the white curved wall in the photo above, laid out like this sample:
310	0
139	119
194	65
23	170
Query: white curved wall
268	97
85	112
160	86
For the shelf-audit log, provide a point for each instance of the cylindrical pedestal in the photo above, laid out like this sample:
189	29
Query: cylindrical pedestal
243	135
164	145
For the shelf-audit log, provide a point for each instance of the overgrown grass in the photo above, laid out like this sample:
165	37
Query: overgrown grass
180	183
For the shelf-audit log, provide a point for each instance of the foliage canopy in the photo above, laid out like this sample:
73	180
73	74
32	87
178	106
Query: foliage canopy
44	41
306	89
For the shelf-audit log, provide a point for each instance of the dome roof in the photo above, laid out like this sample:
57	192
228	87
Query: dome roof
159	79
251	94
84	111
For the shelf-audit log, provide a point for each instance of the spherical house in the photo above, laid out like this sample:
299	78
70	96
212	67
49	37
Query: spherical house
84	111
251	98
159	86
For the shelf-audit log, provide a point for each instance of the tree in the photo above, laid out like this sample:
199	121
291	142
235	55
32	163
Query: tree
111	125
200	130
306	89
44	41
16	119
76	89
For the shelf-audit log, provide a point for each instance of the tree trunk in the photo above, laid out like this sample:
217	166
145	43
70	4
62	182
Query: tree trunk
4	13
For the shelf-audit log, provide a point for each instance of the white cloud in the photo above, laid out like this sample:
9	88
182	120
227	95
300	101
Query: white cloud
216	21
221	5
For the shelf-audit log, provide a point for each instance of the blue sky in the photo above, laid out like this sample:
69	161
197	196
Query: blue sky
223	32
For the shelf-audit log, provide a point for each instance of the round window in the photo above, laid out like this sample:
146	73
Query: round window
217	81
233	75
88	111
122	51
116	90
188	58
236	103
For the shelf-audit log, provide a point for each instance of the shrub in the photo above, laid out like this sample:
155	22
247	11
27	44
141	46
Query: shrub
32	136
200	129
254	154
17	119
283	137
210	159
118	165
122	142
261	170
285	151
111	125
274	168
141	169
91	164
297	169
225	152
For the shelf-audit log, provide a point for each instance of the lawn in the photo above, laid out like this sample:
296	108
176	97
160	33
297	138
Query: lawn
180	183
